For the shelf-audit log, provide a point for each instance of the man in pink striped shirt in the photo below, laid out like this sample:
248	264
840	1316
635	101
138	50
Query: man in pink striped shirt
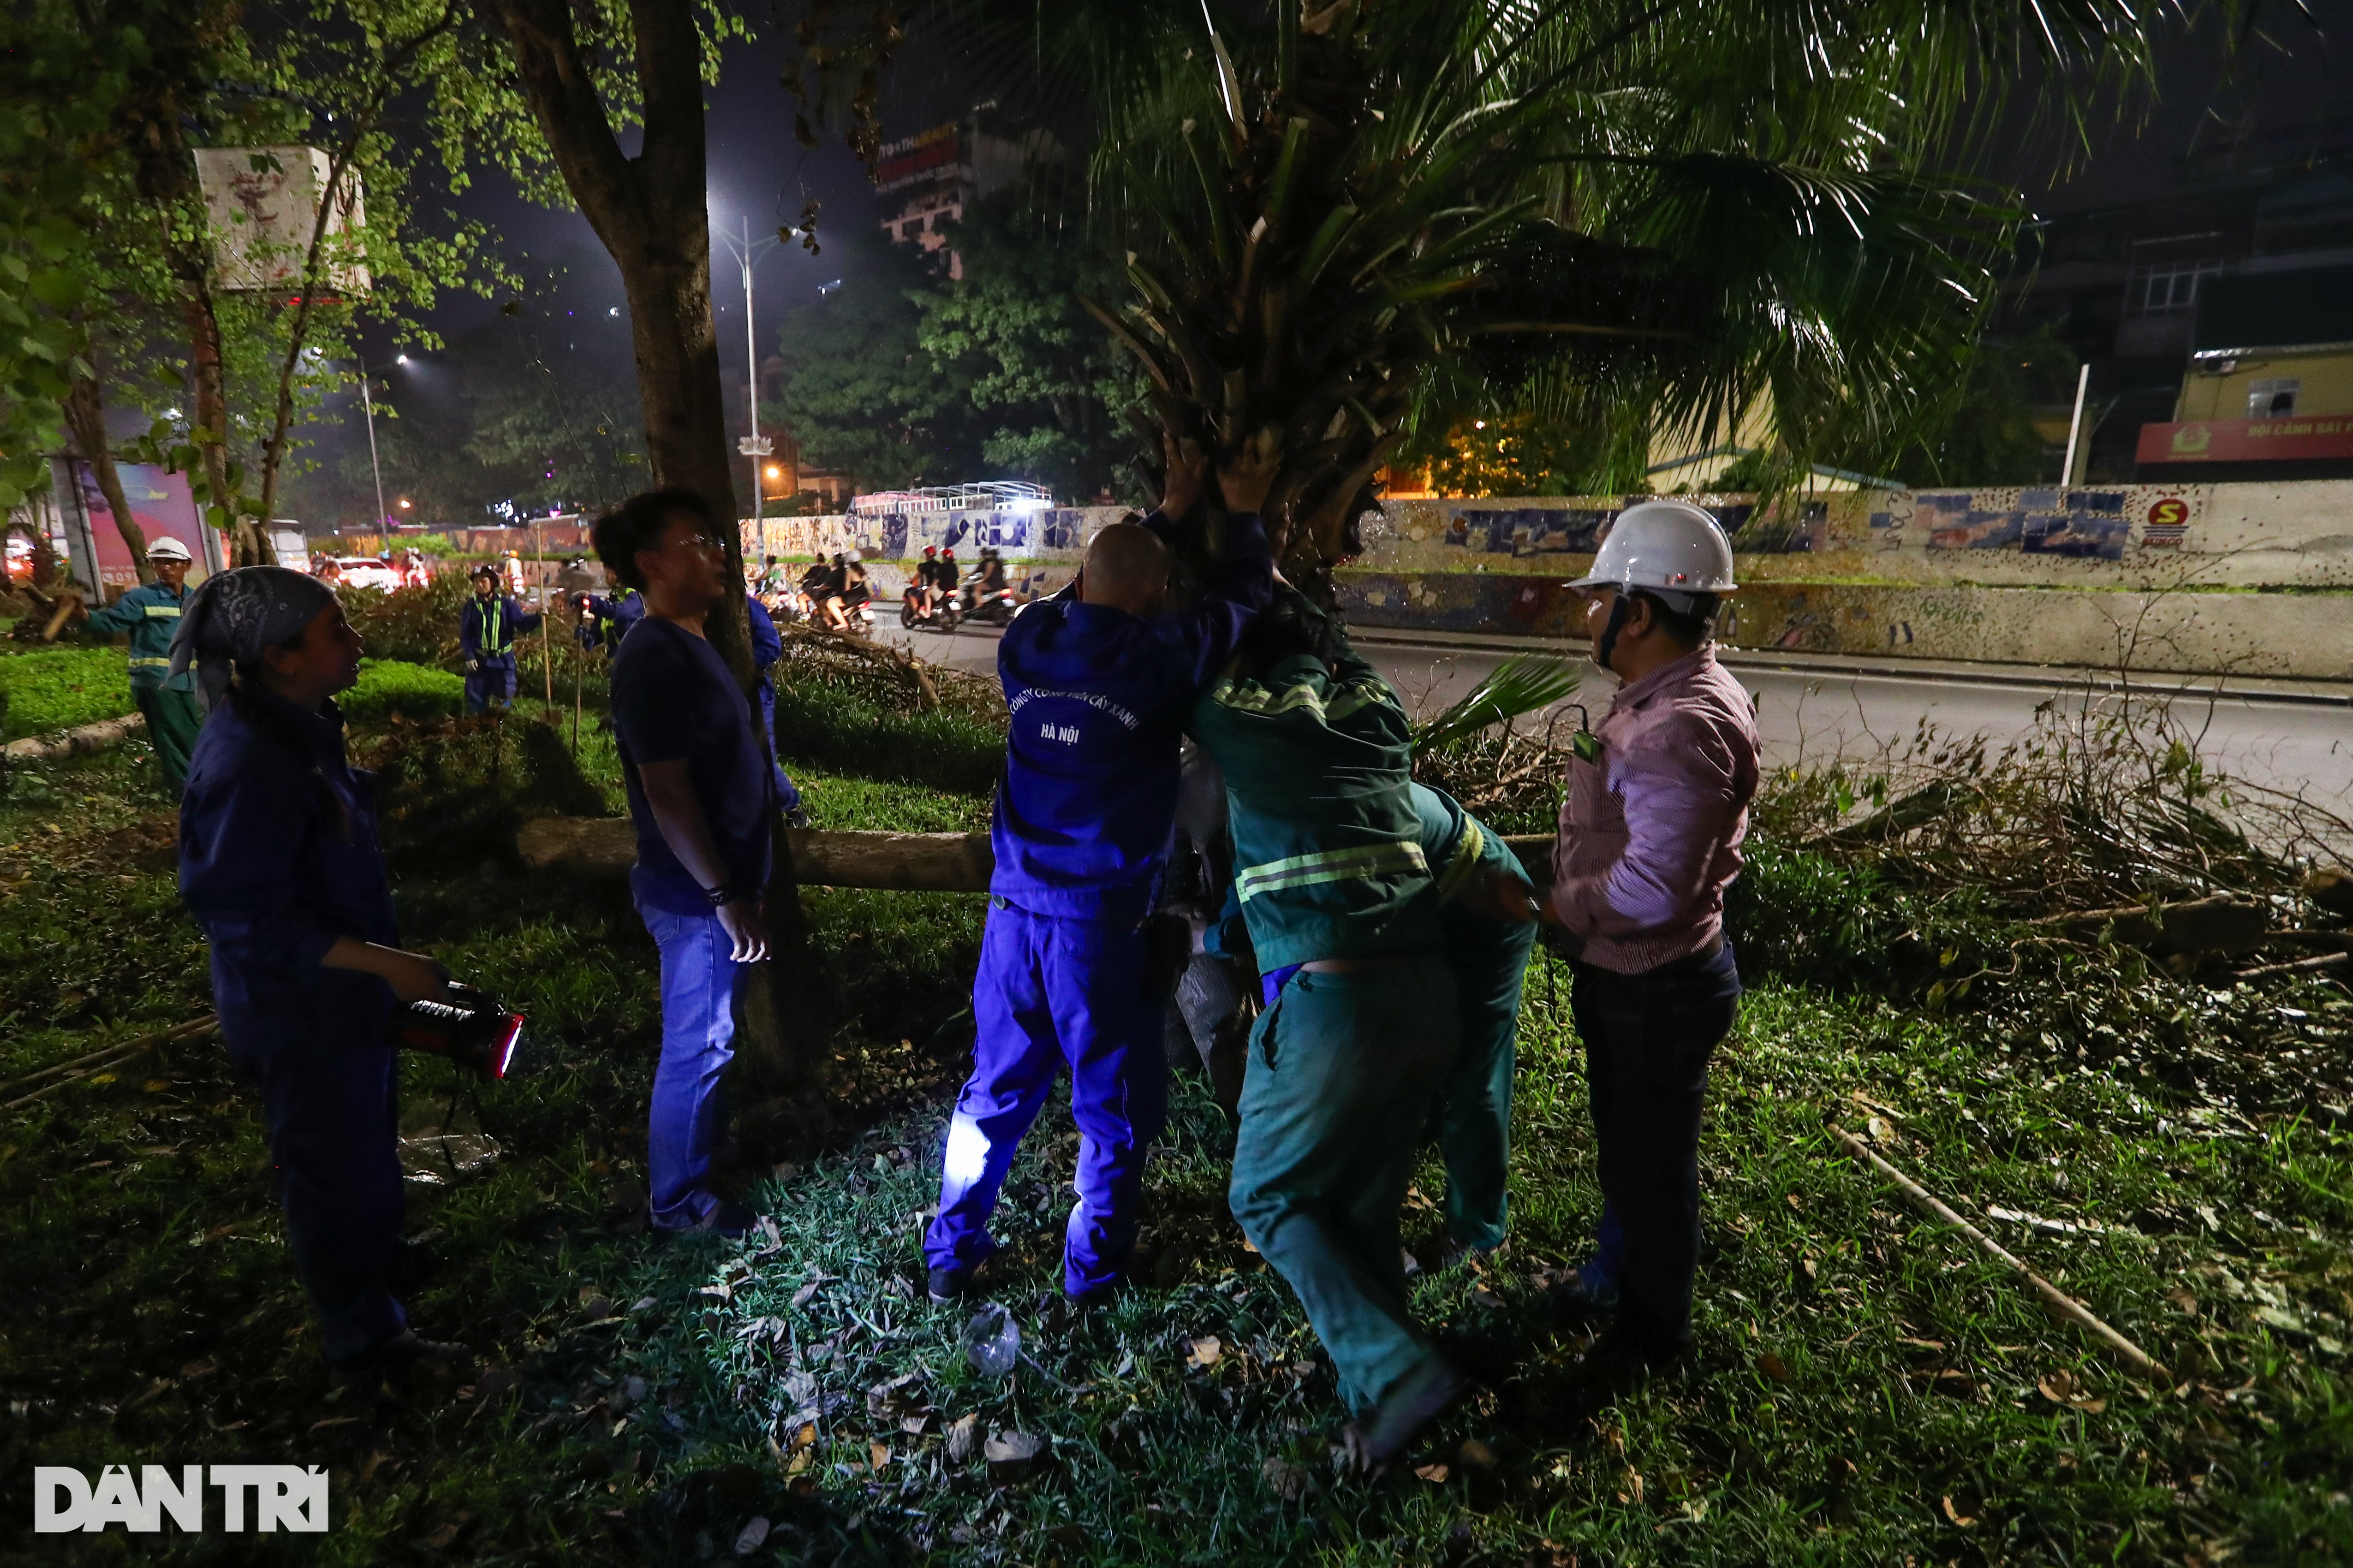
1649	838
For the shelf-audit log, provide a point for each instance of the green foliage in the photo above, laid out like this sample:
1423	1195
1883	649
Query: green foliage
1524	683
419	624
62	687
411	690
1987	436
904	375
860	395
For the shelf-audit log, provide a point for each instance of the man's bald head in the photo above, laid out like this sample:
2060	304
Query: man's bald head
1127	569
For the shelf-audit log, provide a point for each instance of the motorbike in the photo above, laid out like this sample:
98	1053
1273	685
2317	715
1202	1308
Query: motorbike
943	619
989	606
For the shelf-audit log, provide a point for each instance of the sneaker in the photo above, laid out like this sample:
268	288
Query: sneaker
945	1284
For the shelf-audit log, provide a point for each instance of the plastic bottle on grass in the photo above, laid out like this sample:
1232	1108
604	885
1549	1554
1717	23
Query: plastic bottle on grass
992	1341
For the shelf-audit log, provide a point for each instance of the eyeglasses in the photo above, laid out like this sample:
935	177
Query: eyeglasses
696	542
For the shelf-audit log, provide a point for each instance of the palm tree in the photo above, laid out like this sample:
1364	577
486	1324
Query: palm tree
1344	216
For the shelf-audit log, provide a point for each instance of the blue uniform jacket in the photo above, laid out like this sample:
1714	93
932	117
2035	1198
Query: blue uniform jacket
513	619
278	859
1088	797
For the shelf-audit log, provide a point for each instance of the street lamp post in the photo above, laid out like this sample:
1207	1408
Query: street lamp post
746	252
368	403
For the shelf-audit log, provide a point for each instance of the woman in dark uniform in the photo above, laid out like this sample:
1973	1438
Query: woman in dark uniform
278	864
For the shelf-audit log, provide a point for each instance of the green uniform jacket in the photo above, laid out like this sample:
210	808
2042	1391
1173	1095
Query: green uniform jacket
1328	862
151	614
1457	843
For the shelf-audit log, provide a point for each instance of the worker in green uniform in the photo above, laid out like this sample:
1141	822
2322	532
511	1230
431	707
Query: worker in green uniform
1483	891
1360	1024
151	614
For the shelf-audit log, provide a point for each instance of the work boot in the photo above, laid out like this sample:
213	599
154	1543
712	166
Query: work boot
1621	1358
1589	1294
945	1284
1376	1440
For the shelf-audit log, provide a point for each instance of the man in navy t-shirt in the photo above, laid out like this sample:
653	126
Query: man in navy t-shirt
702	798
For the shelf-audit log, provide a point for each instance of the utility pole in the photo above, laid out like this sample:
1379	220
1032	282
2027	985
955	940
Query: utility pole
368	403
753	446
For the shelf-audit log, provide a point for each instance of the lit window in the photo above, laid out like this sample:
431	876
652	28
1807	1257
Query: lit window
2273	399
2167	289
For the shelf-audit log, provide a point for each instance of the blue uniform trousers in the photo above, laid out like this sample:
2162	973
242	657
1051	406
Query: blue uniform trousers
1050	992
491	680
789	796
698	1001
329	1092
1647	1040
1342	1070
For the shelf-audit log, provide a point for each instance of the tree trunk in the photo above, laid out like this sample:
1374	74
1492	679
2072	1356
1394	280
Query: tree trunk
650	213
85	413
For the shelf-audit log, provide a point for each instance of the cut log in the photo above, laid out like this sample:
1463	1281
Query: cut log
74	742
606	847
2221	923
1535	850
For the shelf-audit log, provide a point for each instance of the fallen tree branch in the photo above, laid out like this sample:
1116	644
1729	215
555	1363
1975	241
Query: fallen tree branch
2219	923
2060	1304
74	742
1893	820
2300	967
105	1057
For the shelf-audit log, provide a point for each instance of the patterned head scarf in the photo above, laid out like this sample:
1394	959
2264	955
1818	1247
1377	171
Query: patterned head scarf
235	615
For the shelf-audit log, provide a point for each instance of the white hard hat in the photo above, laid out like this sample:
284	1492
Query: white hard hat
1666	546
168	548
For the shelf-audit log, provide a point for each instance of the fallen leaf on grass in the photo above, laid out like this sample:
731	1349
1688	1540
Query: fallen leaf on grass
1964	1520
802	1297
1204	1352
880	1453
1482	1297
1630	1486
2062	1388
1475	1454
2182	1299
1289	1480
1010	1454
963	1436
752	1534
1432	1473
1773	1366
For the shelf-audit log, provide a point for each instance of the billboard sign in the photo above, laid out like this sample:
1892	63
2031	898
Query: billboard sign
160	504
263	204
2246	440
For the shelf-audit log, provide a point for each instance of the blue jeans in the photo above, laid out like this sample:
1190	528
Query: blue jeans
697	996
1049	993
1647	1040
330	1091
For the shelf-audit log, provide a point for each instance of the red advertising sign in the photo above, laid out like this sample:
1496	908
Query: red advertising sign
2246	440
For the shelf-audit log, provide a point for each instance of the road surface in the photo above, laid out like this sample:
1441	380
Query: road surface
1813	710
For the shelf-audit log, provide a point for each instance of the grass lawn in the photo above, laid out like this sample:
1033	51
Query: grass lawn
1870	1389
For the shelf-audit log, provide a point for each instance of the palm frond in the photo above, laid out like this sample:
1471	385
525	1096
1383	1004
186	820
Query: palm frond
1524	683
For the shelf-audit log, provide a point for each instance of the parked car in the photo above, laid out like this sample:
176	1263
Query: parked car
368	571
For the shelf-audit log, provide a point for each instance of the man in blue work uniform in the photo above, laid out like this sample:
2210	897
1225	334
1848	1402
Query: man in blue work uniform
281	867
487	630
1098	682
151	614
604	619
